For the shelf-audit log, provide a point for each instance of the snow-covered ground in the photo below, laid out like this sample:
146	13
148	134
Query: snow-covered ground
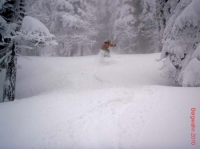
81	103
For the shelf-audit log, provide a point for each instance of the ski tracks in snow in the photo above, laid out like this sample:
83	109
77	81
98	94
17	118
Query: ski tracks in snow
110	115
116	121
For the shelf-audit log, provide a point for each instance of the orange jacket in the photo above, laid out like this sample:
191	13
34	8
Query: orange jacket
107	44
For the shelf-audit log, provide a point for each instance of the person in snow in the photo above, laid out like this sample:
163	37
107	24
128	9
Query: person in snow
105	48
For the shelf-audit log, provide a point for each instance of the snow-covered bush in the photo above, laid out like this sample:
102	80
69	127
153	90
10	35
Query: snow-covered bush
35	31
196	53
190	76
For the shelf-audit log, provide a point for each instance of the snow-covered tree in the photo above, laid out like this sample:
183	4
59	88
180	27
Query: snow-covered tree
102	24
14	28
122	24
133	26
32	34
147	40
72	21
181	38
9	19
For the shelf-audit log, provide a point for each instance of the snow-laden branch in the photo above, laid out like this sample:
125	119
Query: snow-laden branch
35	31
4	57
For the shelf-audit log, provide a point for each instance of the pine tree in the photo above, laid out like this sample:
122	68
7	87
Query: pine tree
179	29
8	26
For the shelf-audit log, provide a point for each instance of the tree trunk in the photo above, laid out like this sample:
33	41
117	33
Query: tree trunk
9	86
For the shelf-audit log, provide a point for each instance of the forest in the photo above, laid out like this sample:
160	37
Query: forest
99	74
79	27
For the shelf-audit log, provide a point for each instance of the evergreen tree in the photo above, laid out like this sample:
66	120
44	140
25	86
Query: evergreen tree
9	17
133	26
72	21
122	24
181	38
147	39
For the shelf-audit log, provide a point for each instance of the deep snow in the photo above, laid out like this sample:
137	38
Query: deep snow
79	102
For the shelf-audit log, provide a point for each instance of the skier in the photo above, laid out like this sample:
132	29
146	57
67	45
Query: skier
105	48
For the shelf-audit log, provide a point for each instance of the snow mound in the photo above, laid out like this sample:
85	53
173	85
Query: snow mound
196	53
34	30
30	24
191	75
168	69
